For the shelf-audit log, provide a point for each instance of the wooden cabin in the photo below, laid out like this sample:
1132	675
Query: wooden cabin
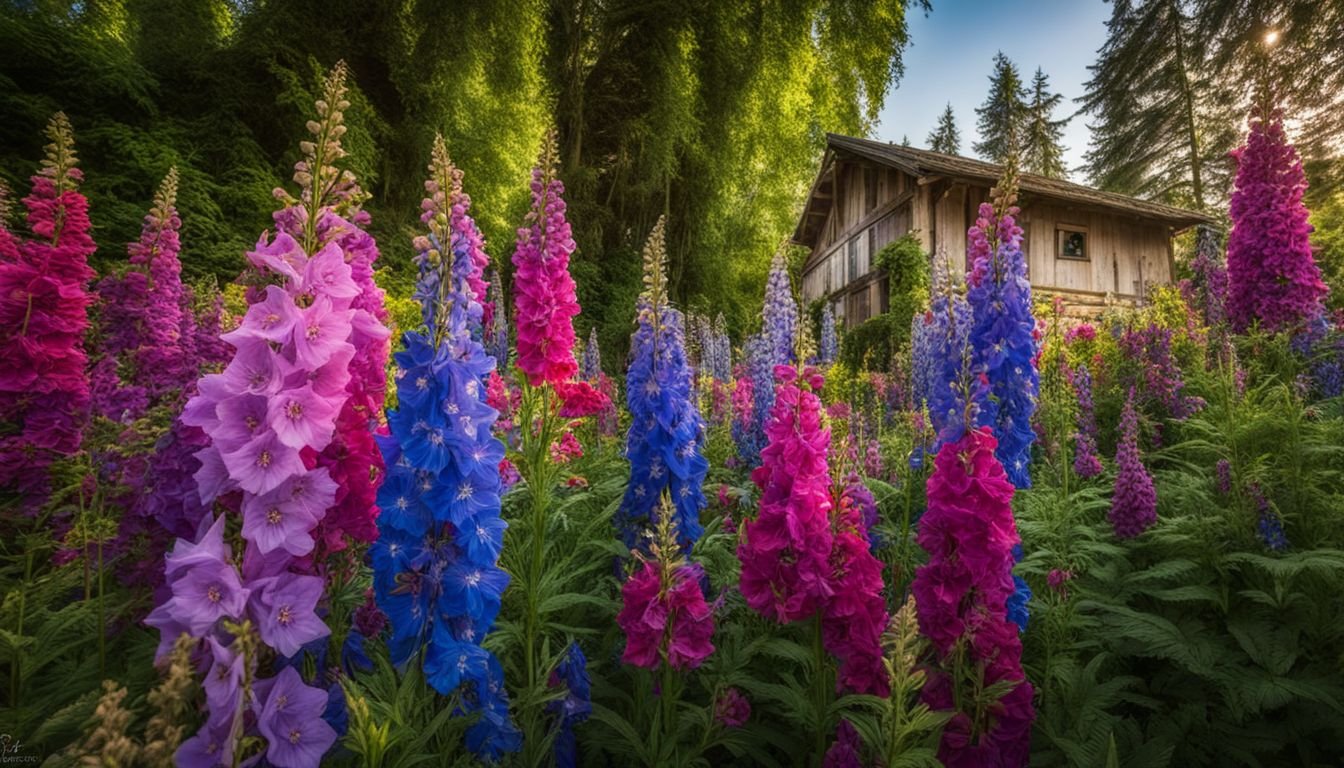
1093	248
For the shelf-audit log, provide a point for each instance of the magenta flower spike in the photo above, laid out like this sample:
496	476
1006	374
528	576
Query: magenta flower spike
1272	276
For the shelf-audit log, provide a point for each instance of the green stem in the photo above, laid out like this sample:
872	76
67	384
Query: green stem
821	699
669	706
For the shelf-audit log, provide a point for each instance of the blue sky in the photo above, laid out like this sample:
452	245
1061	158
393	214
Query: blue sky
951	53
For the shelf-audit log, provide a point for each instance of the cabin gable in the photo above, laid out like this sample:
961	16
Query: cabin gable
1091	247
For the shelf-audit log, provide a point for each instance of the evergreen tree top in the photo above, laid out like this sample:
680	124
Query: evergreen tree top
945	137
1002	115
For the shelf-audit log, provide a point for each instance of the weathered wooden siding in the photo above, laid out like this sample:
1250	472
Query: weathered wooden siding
870	211
1125	255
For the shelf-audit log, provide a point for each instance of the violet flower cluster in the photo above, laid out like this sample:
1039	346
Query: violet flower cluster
1272	274
436	573
147	316
1134	502
1158	377
222	600
716	350
1086	461
44	391
1206	290
1002	336
962	596
941	353
666	430
303	352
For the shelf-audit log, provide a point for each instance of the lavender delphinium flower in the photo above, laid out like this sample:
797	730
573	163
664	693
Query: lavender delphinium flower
780	314
1134	503
591	365
1086	462
1002	336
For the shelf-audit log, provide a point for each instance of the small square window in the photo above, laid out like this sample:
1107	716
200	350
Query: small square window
1071	243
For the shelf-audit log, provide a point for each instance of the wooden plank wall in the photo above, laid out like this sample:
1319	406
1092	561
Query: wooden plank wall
1125	253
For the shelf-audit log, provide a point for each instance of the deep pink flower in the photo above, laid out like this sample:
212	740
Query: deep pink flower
579	399
961	597
732	709
666	619
1272	275
543	290
785	550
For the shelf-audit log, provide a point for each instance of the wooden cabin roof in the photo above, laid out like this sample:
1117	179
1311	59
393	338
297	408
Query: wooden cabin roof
928	166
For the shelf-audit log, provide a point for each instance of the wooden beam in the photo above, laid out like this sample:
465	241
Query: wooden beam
925	180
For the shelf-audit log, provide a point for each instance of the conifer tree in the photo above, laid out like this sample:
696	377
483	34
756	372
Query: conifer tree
1042	152
1163	123
1003	114
945	137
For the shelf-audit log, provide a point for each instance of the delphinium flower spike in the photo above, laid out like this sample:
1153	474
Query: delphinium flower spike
1134	503
1273	277
440	532
664	614
666	431
286	422
1002	334
44	390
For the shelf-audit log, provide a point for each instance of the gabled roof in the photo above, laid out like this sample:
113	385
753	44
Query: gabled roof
923	163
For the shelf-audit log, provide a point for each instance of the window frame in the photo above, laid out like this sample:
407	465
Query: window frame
1063	230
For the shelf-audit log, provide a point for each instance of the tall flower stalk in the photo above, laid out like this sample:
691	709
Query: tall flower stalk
545	305
666	621
1003	331
440	532
1134	503
299	383
44	390
1273	277
666	431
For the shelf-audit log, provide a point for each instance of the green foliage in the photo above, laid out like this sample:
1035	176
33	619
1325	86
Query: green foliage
907	268
868	346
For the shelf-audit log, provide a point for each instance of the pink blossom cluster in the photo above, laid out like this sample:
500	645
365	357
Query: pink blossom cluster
785	551
544	297
1134	503
856	614
353	457
961	599
44	392
1272	276
741	398
664	615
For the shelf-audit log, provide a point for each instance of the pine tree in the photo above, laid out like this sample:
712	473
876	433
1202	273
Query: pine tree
945	137
1162	122
1042	152
1003	114
905	140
